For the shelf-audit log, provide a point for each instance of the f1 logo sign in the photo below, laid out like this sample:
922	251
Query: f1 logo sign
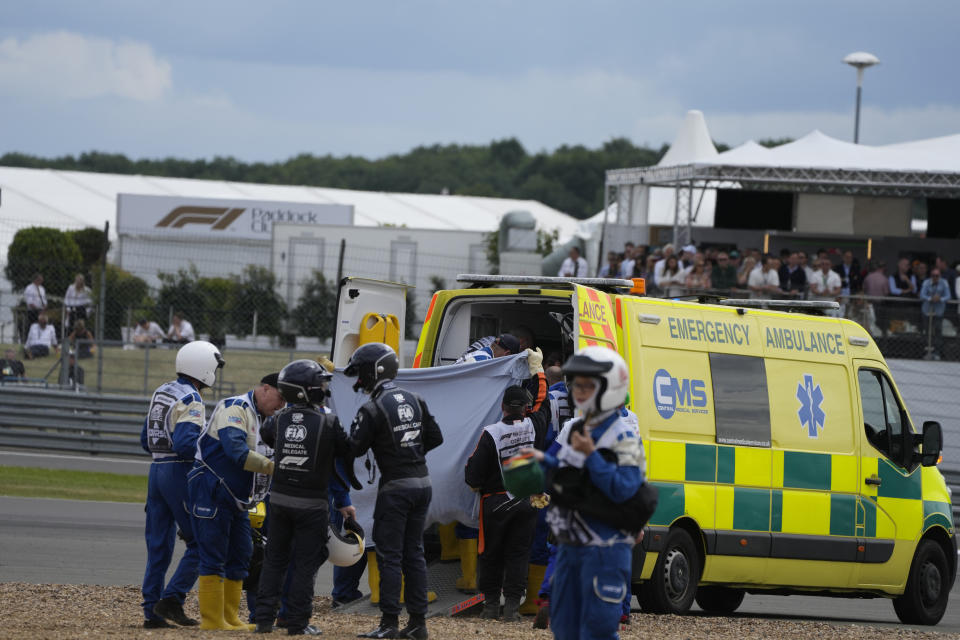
218	218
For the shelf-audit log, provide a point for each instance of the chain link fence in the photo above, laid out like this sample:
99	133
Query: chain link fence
123	325
121	333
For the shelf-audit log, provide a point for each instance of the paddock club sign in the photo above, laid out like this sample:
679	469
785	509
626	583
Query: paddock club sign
172	216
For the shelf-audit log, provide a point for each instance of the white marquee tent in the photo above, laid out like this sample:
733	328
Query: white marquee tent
74	199
818	150
814	164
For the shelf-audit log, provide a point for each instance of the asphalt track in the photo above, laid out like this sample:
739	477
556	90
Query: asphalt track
82	542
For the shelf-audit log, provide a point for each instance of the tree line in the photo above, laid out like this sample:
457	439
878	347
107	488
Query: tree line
569	178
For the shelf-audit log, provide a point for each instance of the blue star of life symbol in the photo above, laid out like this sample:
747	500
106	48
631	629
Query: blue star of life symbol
810	413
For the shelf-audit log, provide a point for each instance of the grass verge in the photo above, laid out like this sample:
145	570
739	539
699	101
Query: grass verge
140	371
30	482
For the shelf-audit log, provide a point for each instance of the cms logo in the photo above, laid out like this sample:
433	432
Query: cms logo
683	395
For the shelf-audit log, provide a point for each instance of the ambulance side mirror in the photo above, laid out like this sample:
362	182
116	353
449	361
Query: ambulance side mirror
932	443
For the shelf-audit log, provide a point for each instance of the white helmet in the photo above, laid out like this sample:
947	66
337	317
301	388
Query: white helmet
609	369
199	360
347	547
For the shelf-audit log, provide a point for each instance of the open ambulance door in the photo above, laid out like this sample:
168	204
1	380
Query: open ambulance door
594	321
368	311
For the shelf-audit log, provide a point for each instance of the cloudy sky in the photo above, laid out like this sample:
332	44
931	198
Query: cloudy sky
267	80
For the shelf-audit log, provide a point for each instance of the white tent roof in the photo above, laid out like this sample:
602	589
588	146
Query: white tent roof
692	144
818	150
72	199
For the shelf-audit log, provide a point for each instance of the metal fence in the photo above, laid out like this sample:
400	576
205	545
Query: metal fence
93	423
115	366
54	420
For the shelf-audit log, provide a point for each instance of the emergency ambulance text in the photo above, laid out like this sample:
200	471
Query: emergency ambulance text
798	340
709	331
593	312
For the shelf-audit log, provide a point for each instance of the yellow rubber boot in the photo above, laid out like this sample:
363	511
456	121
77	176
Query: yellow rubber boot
534	580
210	597
431	595
373	577
232	592
468	566
449	545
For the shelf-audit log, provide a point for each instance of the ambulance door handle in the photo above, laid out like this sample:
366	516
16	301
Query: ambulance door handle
875	480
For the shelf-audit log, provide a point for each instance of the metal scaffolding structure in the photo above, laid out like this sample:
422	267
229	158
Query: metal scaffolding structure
690	178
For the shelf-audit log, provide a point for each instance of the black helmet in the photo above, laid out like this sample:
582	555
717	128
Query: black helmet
304	382
371	364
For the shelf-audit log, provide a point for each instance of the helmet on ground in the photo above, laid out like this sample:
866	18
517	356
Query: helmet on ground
257	515
304	382
608	368
371	364
346	547
199	360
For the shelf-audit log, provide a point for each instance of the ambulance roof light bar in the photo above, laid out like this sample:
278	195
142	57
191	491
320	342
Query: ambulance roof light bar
600	283
817	307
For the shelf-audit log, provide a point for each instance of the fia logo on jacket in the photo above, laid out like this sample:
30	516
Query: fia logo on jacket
295	433
405	412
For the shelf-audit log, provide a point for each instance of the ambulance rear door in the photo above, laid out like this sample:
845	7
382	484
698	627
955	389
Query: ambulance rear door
594	321
368	311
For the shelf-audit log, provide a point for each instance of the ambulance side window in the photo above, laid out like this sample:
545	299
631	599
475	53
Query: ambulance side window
882	414
740	401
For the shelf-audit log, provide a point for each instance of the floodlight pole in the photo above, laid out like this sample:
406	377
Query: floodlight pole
856	117
859	60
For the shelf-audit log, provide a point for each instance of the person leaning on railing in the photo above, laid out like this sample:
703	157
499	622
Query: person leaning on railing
743	275
81	339
672	278
934	292
765	281
723	275
826	282
699	275
876	285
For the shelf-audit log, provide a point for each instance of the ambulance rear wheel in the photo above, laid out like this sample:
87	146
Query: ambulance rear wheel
924	601
719	600
673	585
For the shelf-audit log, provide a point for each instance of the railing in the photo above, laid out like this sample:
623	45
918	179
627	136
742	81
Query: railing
952	477
65	421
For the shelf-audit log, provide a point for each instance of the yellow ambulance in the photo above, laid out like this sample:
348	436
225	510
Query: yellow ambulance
785	459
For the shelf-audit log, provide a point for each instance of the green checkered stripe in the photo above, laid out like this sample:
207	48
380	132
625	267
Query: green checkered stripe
762	509
937	513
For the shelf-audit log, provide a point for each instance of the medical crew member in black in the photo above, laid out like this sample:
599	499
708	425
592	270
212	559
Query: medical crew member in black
397	426
306	442
507	523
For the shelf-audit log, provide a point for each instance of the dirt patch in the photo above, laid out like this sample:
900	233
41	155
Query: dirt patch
59	612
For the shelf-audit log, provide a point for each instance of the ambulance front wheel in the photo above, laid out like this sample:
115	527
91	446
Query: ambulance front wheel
924	601
719	600
673	585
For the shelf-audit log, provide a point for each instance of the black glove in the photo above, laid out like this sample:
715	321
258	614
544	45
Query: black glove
353	526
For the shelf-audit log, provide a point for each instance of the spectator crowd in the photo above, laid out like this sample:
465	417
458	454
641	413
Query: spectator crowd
912	296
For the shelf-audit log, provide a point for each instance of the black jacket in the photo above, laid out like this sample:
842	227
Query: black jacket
796	281
483	468
306	444
855	279
397	426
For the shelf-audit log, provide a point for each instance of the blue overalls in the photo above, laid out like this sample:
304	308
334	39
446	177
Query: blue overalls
169	434
592	574
220	487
